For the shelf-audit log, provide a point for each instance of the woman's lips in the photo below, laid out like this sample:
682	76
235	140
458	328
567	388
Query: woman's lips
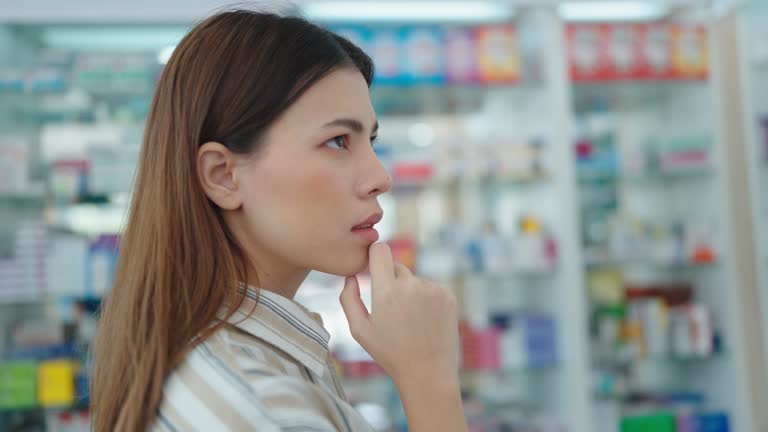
368	234
365	228
370	220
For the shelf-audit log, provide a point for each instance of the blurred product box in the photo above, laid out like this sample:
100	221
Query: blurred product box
607	52
683	422
480	348
661	422
56	383
527	340
673	293
30	254
18	385
46	79
432	54
711	422
100	265
69	180
67	258
24	274
112	167
684	160
514	341
9	280
692	331
41	351
14	164
37	333
668	322
68	421
11	80
683	153
361	369
413	172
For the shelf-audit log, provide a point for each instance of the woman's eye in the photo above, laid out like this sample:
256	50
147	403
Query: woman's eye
338	143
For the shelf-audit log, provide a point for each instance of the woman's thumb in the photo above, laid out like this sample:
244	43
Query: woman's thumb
354	308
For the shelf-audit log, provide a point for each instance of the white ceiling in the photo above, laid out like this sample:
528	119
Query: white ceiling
160	11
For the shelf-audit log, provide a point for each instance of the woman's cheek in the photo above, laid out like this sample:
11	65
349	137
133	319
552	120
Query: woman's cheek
320	184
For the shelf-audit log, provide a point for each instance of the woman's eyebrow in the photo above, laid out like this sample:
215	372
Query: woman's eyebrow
354	124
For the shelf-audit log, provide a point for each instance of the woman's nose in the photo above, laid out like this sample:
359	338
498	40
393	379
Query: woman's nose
376	179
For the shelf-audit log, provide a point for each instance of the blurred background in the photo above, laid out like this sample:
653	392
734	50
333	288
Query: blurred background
589	177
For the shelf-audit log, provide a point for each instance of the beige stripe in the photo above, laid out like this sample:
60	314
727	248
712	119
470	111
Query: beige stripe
290	333
284	328
174	417
282	334
286	401
217	405
314	402
274	360
287	359
240	336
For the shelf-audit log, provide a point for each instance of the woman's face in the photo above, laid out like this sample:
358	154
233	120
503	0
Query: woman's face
315	180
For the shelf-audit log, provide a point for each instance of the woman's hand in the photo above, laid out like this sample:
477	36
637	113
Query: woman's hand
412	328
412	332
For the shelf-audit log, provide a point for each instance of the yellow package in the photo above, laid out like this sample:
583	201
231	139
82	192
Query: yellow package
56	383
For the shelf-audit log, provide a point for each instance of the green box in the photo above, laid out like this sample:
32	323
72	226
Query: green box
657	422
18	384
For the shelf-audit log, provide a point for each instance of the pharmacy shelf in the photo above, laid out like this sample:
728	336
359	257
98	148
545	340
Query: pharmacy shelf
723	377
513	273
561	390
45	409
613	263
46	299
22	196
652	178
495	183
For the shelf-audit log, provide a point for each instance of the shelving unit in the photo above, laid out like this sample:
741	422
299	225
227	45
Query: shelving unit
726	377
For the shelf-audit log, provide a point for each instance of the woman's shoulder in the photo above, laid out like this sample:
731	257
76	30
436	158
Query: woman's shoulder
208	391
228	382
229	353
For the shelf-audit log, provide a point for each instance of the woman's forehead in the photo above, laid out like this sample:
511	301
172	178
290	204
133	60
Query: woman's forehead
342	94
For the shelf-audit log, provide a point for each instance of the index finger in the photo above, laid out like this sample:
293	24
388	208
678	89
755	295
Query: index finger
380	263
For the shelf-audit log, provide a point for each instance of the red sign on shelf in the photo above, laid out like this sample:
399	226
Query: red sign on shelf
637	52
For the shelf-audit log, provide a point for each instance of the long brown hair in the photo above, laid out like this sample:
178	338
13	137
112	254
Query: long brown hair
226	81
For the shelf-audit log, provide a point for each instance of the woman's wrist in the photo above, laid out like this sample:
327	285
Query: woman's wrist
436	372
432	401
438	381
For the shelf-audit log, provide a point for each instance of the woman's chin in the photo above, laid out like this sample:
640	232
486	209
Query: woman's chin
350	265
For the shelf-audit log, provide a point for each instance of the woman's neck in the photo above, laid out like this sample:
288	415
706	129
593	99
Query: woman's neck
284	282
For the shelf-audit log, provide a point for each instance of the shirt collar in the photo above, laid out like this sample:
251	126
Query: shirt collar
284	324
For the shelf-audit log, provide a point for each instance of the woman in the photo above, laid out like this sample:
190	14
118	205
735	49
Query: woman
257	166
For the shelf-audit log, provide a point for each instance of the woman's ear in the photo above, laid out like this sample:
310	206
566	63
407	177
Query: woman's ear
216	171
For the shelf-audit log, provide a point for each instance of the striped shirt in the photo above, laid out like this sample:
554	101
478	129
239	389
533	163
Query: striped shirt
269	370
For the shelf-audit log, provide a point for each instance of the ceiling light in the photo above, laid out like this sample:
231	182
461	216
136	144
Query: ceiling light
113	38
612	11
407	11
